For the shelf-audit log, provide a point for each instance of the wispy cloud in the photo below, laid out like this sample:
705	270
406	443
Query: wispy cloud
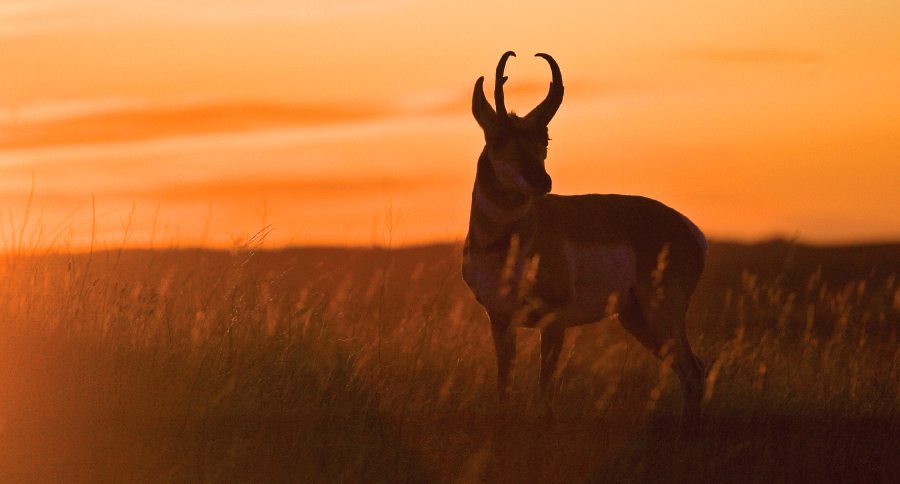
116	120
281	187
95	121
289	190
112	120
753	55
49	111
35	16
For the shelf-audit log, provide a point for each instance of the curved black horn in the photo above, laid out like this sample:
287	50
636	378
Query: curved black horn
544	112
498	84
481	108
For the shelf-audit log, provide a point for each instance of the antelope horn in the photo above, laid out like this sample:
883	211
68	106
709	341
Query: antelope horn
481	108
498	85
544	111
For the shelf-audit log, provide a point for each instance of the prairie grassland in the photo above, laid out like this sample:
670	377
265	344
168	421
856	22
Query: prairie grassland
374	365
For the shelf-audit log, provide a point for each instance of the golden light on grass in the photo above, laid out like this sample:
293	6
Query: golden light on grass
348	364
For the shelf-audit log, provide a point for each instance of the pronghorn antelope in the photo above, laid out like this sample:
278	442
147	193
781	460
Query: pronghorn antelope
534	259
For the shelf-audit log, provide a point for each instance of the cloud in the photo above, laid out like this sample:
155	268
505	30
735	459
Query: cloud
281	187
90	124
29	17
116	120
71	108
242	189
753	55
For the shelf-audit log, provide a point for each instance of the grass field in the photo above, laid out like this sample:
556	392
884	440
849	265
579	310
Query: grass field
375	365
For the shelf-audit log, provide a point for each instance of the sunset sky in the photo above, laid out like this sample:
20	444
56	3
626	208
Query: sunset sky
198	122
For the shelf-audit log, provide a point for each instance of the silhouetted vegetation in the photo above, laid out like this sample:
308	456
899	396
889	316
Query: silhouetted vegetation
358	365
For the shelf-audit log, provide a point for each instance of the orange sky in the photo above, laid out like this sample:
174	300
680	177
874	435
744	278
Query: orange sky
202	122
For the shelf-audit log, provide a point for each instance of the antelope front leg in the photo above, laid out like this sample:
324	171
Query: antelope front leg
551	345
505	344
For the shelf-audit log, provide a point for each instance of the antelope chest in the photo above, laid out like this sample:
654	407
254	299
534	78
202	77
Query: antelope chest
492	280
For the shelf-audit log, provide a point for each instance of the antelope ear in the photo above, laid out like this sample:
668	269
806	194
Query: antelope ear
481	109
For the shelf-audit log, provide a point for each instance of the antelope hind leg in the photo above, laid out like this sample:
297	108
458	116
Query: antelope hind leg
505	346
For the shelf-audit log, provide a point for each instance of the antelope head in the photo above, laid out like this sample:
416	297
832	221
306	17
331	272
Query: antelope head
517	146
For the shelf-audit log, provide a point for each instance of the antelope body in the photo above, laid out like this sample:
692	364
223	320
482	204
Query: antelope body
534	259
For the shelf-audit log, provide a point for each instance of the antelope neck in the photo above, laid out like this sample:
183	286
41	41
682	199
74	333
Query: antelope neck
497	212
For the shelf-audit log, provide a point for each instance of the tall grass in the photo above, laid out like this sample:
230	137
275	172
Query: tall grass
376	365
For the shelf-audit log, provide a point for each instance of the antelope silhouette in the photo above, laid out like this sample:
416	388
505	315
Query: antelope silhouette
539	260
